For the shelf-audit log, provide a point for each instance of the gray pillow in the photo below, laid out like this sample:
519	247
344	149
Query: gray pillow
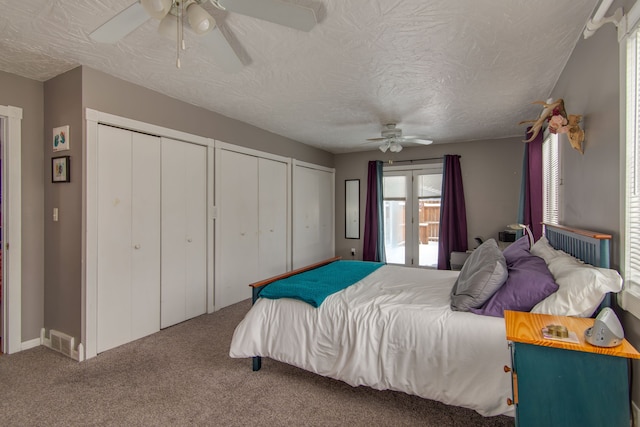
484	272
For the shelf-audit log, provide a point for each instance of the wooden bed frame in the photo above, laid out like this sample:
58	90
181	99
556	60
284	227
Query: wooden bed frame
589	246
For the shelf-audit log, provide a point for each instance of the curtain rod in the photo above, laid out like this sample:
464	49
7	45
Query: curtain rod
390	162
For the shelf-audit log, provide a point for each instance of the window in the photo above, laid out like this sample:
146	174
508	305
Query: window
550	180
412	214
629	299
632	165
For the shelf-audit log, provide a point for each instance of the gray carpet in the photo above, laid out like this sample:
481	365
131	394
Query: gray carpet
184	376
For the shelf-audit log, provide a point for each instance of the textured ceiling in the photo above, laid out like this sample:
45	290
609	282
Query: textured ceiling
449	70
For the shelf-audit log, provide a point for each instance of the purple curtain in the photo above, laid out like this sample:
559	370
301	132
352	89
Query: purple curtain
373	246
533	186
453	215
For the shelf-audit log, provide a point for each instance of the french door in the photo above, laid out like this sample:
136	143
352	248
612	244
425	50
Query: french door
412	215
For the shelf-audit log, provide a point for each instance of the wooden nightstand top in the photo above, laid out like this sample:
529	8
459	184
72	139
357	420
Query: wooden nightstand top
526	328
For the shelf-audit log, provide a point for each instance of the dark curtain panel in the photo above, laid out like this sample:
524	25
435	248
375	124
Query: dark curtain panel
373	249
453	214
530	210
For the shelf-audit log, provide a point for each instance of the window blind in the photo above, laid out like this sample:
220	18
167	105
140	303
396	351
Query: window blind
550	180
632	211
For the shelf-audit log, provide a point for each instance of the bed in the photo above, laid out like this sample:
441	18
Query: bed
395	328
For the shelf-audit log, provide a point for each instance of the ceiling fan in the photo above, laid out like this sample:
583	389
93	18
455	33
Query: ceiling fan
392	137
171	14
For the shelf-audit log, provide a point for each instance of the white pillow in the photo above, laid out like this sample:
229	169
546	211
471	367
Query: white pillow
582	287
543	249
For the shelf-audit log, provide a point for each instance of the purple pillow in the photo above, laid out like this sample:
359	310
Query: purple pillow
528	283
516	250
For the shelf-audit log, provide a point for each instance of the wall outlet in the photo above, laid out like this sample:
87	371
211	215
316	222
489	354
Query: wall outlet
353	251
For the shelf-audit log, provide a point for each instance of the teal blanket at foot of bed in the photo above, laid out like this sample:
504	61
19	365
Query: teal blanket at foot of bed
315	285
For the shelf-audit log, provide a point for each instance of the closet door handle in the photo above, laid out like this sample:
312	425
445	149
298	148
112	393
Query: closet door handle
137	246
189	240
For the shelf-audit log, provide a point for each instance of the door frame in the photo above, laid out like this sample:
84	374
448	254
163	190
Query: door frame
12	235
93	118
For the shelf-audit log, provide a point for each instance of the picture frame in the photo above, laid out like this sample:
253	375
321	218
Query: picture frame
61	140
60	169
352	209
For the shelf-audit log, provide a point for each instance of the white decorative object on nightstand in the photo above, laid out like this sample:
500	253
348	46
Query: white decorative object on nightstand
458	258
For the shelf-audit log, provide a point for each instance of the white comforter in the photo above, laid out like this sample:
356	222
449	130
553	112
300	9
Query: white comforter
392	330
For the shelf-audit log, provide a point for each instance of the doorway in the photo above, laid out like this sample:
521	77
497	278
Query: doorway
412	215
10	226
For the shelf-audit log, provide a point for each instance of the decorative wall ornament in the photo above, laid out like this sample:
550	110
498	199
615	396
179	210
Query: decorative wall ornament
558	122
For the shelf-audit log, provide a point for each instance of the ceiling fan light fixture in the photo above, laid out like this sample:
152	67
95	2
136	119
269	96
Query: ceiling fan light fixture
157	9
395	148
199	20
168	27
384	147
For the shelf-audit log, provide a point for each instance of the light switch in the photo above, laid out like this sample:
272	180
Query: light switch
55	214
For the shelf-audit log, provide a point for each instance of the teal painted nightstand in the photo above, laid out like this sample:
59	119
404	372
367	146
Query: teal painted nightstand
564	384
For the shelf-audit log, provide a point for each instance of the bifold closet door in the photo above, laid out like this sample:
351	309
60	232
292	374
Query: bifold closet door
128	251
272	218
237	203
313	213
184	232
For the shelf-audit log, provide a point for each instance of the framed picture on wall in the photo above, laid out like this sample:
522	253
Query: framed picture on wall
60	169
60	140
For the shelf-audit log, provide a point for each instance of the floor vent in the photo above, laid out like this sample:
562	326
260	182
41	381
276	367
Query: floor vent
61	342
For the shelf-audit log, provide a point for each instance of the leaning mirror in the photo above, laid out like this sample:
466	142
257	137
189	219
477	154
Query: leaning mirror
352	208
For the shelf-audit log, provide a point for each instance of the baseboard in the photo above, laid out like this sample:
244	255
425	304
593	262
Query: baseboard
26	345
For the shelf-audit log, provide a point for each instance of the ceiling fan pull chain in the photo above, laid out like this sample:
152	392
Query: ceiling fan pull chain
182	44
179	33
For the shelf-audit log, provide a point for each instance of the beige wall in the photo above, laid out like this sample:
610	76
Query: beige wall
29	95
590	86
63	239
491	172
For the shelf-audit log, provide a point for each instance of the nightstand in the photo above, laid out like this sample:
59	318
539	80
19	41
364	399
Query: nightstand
557	383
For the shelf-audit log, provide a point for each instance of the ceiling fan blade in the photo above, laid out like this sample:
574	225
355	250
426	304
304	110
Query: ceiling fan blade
287	14
417	140
222	51
377	139
121	24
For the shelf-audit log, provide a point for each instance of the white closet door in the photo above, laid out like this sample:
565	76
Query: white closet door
313	213
272	218
128	282
195	195
183	269
145	217
237	204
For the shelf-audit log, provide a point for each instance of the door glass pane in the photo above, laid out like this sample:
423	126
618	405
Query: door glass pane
395	200
394	187
394	229
429	189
